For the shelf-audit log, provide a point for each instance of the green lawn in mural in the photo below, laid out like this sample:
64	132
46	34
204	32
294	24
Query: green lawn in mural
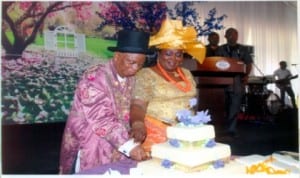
67	41
94	45
98	47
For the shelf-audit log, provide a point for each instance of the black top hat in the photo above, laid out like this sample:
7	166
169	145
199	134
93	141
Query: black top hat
132	42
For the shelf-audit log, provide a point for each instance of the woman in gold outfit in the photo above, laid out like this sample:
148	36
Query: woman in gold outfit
165	88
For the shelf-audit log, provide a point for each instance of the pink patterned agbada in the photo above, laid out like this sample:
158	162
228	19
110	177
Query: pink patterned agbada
98	120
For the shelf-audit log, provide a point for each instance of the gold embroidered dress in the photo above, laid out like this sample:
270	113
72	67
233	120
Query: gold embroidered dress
164	100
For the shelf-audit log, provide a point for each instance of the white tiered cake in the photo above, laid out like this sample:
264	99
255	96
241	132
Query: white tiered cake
191	145
191	156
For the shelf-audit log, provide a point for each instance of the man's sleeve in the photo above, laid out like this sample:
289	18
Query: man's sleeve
98	109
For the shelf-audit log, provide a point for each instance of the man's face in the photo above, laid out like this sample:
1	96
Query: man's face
214	40
283	65
232	37
127	64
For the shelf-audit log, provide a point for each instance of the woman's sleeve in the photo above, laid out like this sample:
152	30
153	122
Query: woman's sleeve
189	76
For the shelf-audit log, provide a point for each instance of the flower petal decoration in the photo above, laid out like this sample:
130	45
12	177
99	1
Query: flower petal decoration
174	143
203	116
218	164
166	163
193	102
211	143
183	116
187	118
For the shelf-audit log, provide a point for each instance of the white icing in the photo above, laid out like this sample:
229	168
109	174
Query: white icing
190	153
190	157
191	134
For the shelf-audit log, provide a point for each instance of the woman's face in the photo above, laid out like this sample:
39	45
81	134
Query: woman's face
170	59
127	64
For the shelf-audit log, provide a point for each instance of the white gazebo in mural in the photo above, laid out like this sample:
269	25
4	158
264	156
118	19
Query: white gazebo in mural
65	42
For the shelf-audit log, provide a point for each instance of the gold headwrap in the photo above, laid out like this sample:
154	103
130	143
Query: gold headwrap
173	35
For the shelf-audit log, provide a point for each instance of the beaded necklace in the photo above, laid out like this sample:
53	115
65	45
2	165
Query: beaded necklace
187	87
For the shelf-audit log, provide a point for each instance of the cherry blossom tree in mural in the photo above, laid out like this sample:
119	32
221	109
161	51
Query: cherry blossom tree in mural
25	19
189	15
146	16
37	86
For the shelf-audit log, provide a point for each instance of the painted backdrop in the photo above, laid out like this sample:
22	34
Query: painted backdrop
47	45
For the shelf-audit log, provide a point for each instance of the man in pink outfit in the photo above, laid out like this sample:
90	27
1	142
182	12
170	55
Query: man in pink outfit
97	130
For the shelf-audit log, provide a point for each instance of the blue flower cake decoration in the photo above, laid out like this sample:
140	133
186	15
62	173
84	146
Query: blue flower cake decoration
187	118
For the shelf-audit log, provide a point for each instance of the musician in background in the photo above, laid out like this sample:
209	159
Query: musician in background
213	44
282	78
235	92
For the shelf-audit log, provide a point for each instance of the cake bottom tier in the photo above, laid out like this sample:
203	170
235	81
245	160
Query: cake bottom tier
153	168
190	159
187	169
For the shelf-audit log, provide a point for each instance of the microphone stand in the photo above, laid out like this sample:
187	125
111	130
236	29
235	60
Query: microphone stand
263	75
264	79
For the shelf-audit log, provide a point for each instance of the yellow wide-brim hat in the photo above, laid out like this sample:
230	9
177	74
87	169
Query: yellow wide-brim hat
173	35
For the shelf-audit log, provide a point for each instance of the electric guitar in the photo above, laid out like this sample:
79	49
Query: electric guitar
281	83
